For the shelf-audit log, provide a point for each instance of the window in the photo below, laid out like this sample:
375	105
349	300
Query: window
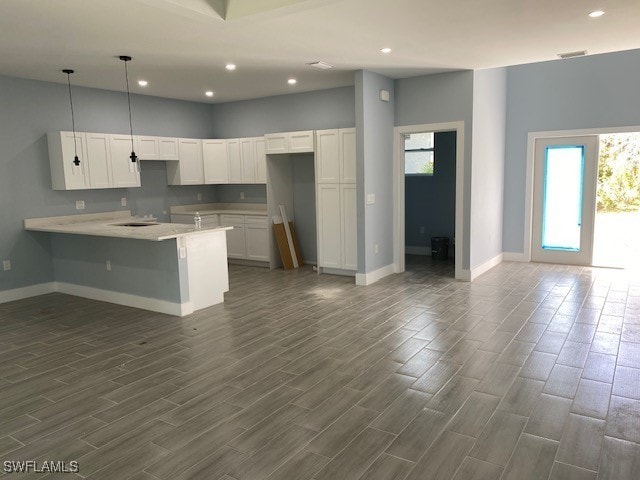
418	154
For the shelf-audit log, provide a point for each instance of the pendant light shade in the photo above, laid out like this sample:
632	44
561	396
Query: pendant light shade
76	160
133	156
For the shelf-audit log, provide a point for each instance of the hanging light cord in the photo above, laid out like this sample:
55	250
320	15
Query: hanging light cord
76	160
126	75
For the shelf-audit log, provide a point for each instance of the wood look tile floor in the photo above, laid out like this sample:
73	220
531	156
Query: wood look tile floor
530	372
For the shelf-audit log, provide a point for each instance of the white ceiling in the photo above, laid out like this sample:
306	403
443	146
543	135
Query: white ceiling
181	46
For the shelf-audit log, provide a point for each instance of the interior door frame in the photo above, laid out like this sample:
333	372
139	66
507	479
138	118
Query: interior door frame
529	185
399	187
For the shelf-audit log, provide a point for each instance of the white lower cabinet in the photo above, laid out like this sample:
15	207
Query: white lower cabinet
256	238
337	226
236	245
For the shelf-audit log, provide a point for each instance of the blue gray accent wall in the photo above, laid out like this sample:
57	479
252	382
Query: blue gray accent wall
374	170
138	267
304	205
595	91
441	98
487	166
231	193
30	109
333	108
430	201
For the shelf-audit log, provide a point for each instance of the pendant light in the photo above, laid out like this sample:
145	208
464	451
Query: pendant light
76	160
133	156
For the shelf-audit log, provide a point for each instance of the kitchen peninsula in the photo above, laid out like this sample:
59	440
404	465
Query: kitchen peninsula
114	257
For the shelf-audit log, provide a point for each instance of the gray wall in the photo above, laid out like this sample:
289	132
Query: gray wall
430	201
446	97
304	206
30	109
374	165
231	193
333	108
487	174
589	92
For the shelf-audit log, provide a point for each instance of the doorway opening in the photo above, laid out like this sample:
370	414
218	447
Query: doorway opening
430	196
616	237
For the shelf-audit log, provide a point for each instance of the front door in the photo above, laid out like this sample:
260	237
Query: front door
564	199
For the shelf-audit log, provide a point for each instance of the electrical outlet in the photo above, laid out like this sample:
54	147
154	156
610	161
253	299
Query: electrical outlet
241	195
375	248
371	198
123	201
6	265
421	229
79	204
108	265
199	196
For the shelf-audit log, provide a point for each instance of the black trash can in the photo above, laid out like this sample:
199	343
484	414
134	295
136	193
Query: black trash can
439	248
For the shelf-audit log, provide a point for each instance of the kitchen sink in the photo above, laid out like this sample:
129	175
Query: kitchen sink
134	224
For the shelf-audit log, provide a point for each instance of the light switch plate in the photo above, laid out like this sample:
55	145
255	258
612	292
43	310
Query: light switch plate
6	265
199	196
79	204
183	252
123	201
371	198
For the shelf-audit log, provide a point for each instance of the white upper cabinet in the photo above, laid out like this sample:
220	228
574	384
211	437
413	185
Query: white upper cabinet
62	150
235	162
157	148
261	160
328	156
99	160
147	148
289	142
189	170
124	172
347	155
336	156
168	148
216	162
248	160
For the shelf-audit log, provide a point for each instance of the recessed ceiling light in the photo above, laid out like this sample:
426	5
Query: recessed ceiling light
596	13
385	50
320	65
143	83
292	81
230	66
209	93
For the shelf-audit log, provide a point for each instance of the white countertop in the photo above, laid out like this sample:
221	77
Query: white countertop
106	225
220	208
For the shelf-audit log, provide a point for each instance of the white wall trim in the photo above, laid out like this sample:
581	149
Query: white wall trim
486	266
372	277
145	303
409	250
514	257
465	276
398	191
27	292
531	140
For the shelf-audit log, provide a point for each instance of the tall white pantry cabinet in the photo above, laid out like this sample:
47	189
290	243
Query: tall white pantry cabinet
336	205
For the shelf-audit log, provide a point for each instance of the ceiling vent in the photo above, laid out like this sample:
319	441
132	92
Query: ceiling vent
320	65
580	53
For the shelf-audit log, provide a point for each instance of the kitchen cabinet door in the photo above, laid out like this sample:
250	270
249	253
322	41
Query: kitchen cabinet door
235	161
348	155
301	142
190	163
147	148
168	148
215	160
328	156
277	143
124	172
247	160
99	160
257	242
64	174
329	225
236	246
261	160
349	227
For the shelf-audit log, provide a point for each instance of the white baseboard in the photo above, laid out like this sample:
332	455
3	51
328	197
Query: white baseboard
26	292
486	266
372	277
337	271
464	276
146	303
409	250
515	257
